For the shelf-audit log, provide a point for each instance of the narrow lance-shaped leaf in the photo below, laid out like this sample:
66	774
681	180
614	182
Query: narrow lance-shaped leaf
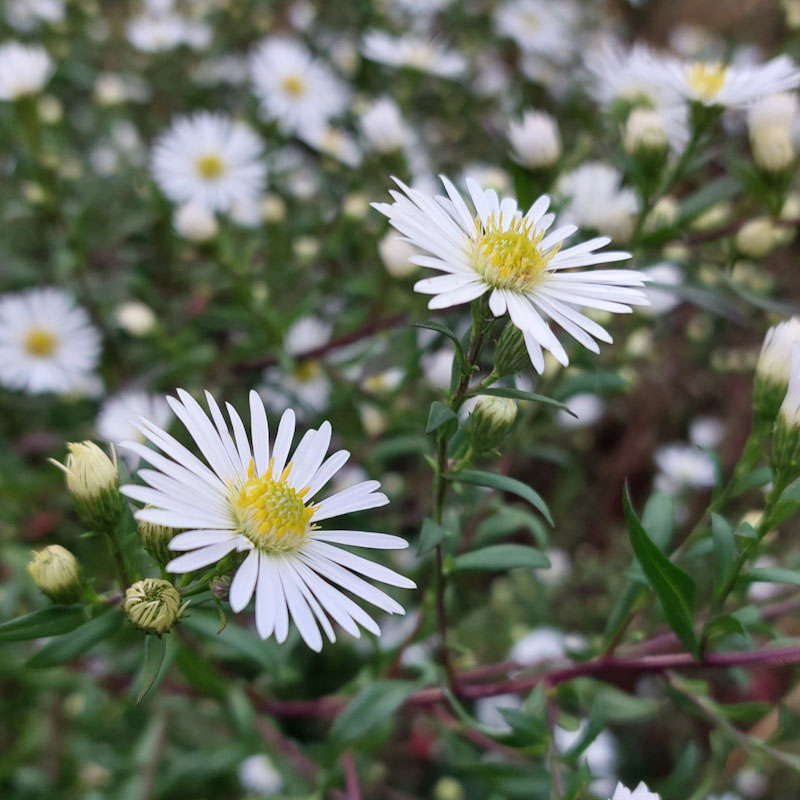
369	708
154	649
500	557
675	588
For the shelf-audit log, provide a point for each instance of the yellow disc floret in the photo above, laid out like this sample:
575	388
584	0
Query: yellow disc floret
270	512
210	166
40	343
294	85
511	257
706	78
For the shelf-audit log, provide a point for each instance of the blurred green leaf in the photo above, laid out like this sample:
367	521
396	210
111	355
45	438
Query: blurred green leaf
724	552
439	415
500	557
675	588
505	484
430	535
50	621
433	325
369	708
79	640
773	575
154	649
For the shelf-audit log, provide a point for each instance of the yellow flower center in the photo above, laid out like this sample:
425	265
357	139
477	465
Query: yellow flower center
40	343
706	78
210	166
270	513
294	85
306	370
511	258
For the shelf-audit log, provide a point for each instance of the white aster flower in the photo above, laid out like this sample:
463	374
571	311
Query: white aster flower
598	200
715	83
306	333
588	409
306	388
156	33
535	139
334	142
538	645
414	52
539	26
511	255
682	465
706	432
297	90
641	792
383	128
24	70
662	300
601	756
771	123
258	776
209	159
488	711
25	15
47	343
259	501
116	421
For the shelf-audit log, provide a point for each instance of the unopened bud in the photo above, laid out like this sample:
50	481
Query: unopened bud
156	539
644	133
786	441
758	237
770	122
153	605
395	253
535	140
448	789
93	482
490	422
195	222
221	587
56	573
511	355
774	368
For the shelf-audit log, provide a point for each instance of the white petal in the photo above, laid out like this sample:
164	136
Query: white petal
358	564
244	582
456	297
283	441
191	540
328	469
377	541
259	430
198	559
299	610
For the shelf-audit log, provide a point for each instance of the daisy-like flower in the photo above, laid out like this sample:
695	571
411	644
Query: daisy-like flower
156	33
297	90
641	792
252	498
209	159
47	343
24	70
539	26
413	52
116	421
511	255
731	85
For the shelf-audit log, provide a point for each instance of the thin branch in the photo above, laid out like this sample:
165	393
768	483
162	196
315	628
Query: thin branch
351	776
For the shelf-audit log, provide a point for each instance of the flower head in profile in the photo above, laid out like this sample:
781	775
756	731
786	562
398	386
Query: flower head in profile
209	159
24	70
715	83
539	27
47	343
413	52
513	256
300	92
251	497
641	792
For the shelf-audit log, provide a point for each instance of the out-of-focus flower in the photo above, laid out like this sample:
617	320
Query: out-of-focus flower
641	792
209	159
47	343
771	122
297	90
119	414
258	776
25	15
706	432
511	256
195	222
488	711
413	52
156	33
24	69
645	132
538	26
662	300
135	318
683	464
334	142
382	126
600	756
535	140
396	254
258	501
588	409
56	573
596	199
759	237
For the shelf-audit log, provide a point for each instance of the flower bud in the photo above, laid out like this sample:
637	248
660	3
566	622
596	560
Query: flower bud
156	539
644	133
758	237
770	123
448	789
535	140
511	355
491	422
135	318
383	128
195	222
56	573
93	482
786	441
774	368
395	253
153	605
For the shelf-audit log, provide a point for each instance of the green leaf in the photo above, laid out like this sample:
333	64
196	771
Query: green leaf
371	706
753	480
154	649
505	484
519	394
50	621
64	649
724	552
432	325
431	534
439	415
658	519
500	557
674	588
773	575
709	194
622	608
198	673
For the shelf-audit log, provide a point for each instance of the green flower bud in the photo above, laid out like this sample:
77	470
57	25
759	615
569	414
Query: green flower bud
156	539
511	355
93	482
153	605
448	789
774	368
786	439
56	573
491	422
